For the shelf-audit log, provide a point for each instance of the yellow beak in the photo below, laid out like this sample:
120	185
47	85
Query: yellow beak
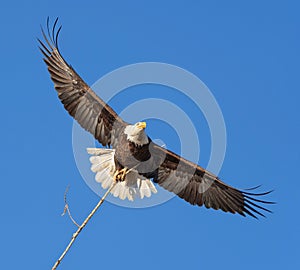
142	125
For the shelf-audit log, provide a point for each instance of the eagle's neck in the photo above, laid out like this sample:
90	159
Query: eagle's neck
138	137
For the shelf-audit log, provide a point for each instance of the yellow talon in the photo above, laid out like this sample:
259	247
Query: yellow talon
120	174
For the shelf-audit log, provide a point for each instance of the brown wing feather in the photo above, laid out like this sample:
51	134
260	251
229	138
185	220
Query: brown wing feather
82	103
200	187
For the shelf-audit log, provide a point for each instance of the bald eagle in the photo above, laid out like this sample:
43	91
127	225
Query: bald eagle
130	156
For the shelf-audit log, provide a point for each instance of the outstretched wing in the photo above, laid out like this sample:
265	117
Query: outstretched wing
82	103
200	187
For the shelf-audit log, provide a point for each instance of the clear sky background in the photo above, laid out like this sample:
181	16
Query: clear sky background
246	52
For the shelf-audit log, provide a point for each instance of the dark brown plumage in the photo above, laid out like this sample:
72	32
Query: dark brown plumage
174	173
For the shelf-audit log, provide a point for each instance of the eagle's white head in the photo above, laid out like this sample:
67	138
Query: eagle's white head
136	133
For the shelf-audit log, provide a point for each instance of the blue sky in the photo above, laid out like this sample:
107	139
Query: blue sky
248	56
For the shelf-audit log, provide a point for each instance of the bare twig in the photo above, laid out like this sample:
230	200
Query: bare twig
67	209
83	225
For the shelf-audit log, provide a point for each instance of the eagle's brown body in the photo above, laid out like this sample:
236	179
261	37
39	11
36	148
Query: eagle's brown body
130	155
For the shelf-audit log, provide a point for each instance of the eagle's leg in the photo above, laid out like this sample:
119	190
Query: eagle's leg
120	174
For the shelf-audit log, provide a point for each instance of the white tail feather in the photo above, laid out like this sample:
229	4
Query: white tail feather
134	186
